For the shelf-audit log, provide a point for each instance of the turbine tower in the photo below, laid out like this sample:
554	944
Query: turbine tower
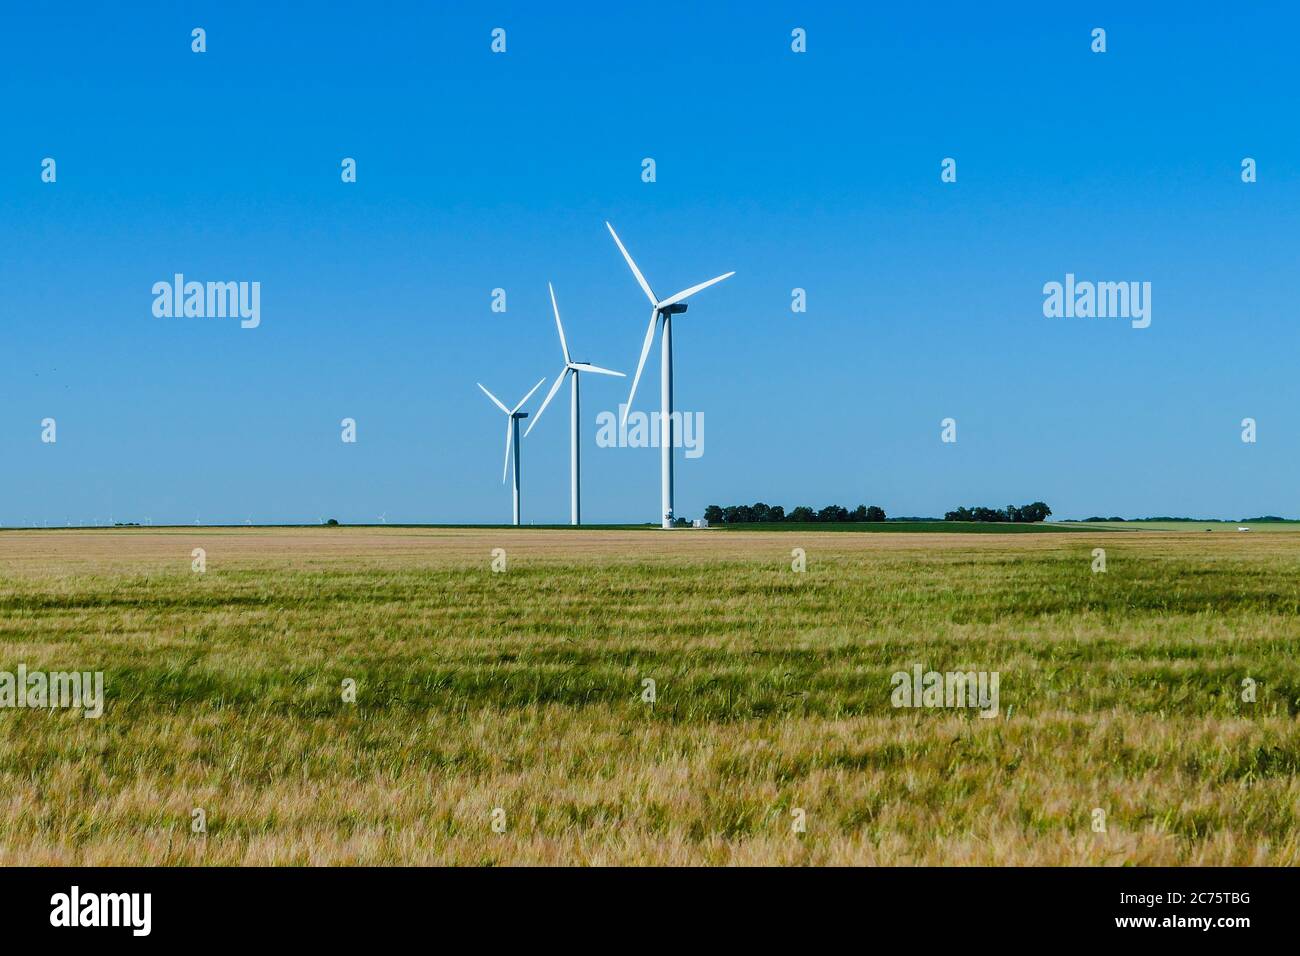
570	368
661	309
512	437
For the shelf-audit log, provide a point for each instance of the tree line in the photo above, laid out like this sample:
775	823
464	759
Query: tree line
759	512
1025	514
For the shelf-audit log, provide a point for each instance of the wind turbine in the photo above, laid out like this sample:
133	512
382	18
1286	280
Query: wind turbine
661	309
512	436
570	368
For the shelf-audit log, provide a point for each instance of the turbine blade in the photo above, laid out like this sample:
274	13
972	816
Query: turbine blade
645	350
527	397
549	395
585	367
686	293
564	346
635	271
510	434
495	401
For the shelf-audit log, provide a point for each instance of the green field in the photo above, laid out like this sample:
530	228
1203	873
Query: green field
516	698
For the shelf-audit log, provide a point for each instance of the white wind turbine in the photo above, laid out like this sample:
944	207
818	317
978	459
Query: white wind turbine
661	309
512	437
570	368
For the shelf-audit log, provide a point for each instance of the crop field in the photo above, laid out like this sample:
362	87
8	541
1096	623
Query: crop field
1147	714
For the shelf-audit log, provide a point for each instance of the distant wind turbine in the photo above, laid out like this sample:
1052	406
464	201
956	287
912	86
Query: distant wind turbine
661	309
570	368
513	415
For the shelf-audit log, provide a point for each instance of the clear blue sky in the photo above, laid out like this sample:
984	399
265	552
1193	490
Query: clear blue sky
478	171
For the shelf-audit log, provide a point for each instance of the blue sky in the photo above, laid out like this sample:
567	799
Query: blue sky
475	171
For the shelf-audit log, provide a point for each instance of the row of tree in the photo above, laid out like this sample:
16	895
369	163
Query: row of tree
760	512
1025	514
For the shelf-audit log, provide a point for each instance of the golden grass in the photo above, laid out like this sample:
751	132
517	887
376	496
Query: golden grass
521	691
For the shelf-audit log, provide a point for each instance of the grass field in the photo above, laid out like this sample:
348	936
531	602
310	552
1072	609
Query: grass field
522	690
